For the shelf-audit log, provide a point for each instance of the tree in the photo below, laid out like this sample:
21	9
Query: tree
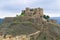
46	17
22	14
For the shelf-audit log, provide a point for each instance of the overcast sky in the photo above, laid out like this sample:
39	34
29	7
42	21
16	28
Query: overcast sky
12	7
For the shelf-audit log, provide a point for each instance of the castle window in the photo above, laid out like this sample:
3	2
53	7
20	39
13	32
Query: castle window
31	9
41	16
34	13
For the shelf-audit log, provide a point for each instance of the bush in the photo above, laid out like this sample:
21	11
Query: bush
22	14
46	17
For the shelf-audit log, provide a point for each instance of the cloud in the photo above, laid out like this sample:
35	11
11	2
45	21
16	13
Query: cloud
52	14
15	5
7	14
12	7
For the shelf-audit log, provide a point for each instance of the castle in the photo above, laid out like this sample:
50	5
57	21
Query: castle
24	23
35	14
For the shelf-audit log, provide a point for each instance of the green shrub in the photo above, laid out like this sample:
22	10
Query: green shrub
22	14
46	17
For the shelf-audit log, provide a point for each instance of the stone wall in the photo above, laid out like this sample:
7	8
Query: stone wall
21	37
36	14
31	12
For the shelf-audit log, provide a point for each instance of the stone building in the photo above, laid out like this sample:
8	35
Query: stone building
33	12
36	14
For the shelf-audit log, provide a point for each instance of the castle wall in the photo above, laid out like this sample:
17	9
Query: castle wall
32	12
36	14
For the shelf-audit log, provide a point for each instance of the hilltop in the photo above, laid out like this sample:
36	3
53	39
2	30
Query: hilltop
31	21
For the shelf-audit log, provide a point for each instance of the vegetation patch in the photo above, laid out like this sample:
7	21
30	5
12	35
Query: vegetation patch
22	14
46	17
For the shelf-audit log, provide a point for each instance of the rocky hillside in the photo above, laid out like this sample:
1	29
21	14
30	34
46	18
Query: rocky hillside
30	24
18	28
48	30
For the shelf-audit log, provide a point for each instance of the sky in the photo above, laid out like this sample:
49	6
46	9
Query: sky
10	8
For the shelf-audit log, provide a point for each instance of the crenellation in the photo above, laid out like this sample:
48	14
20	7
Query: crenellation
31	12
